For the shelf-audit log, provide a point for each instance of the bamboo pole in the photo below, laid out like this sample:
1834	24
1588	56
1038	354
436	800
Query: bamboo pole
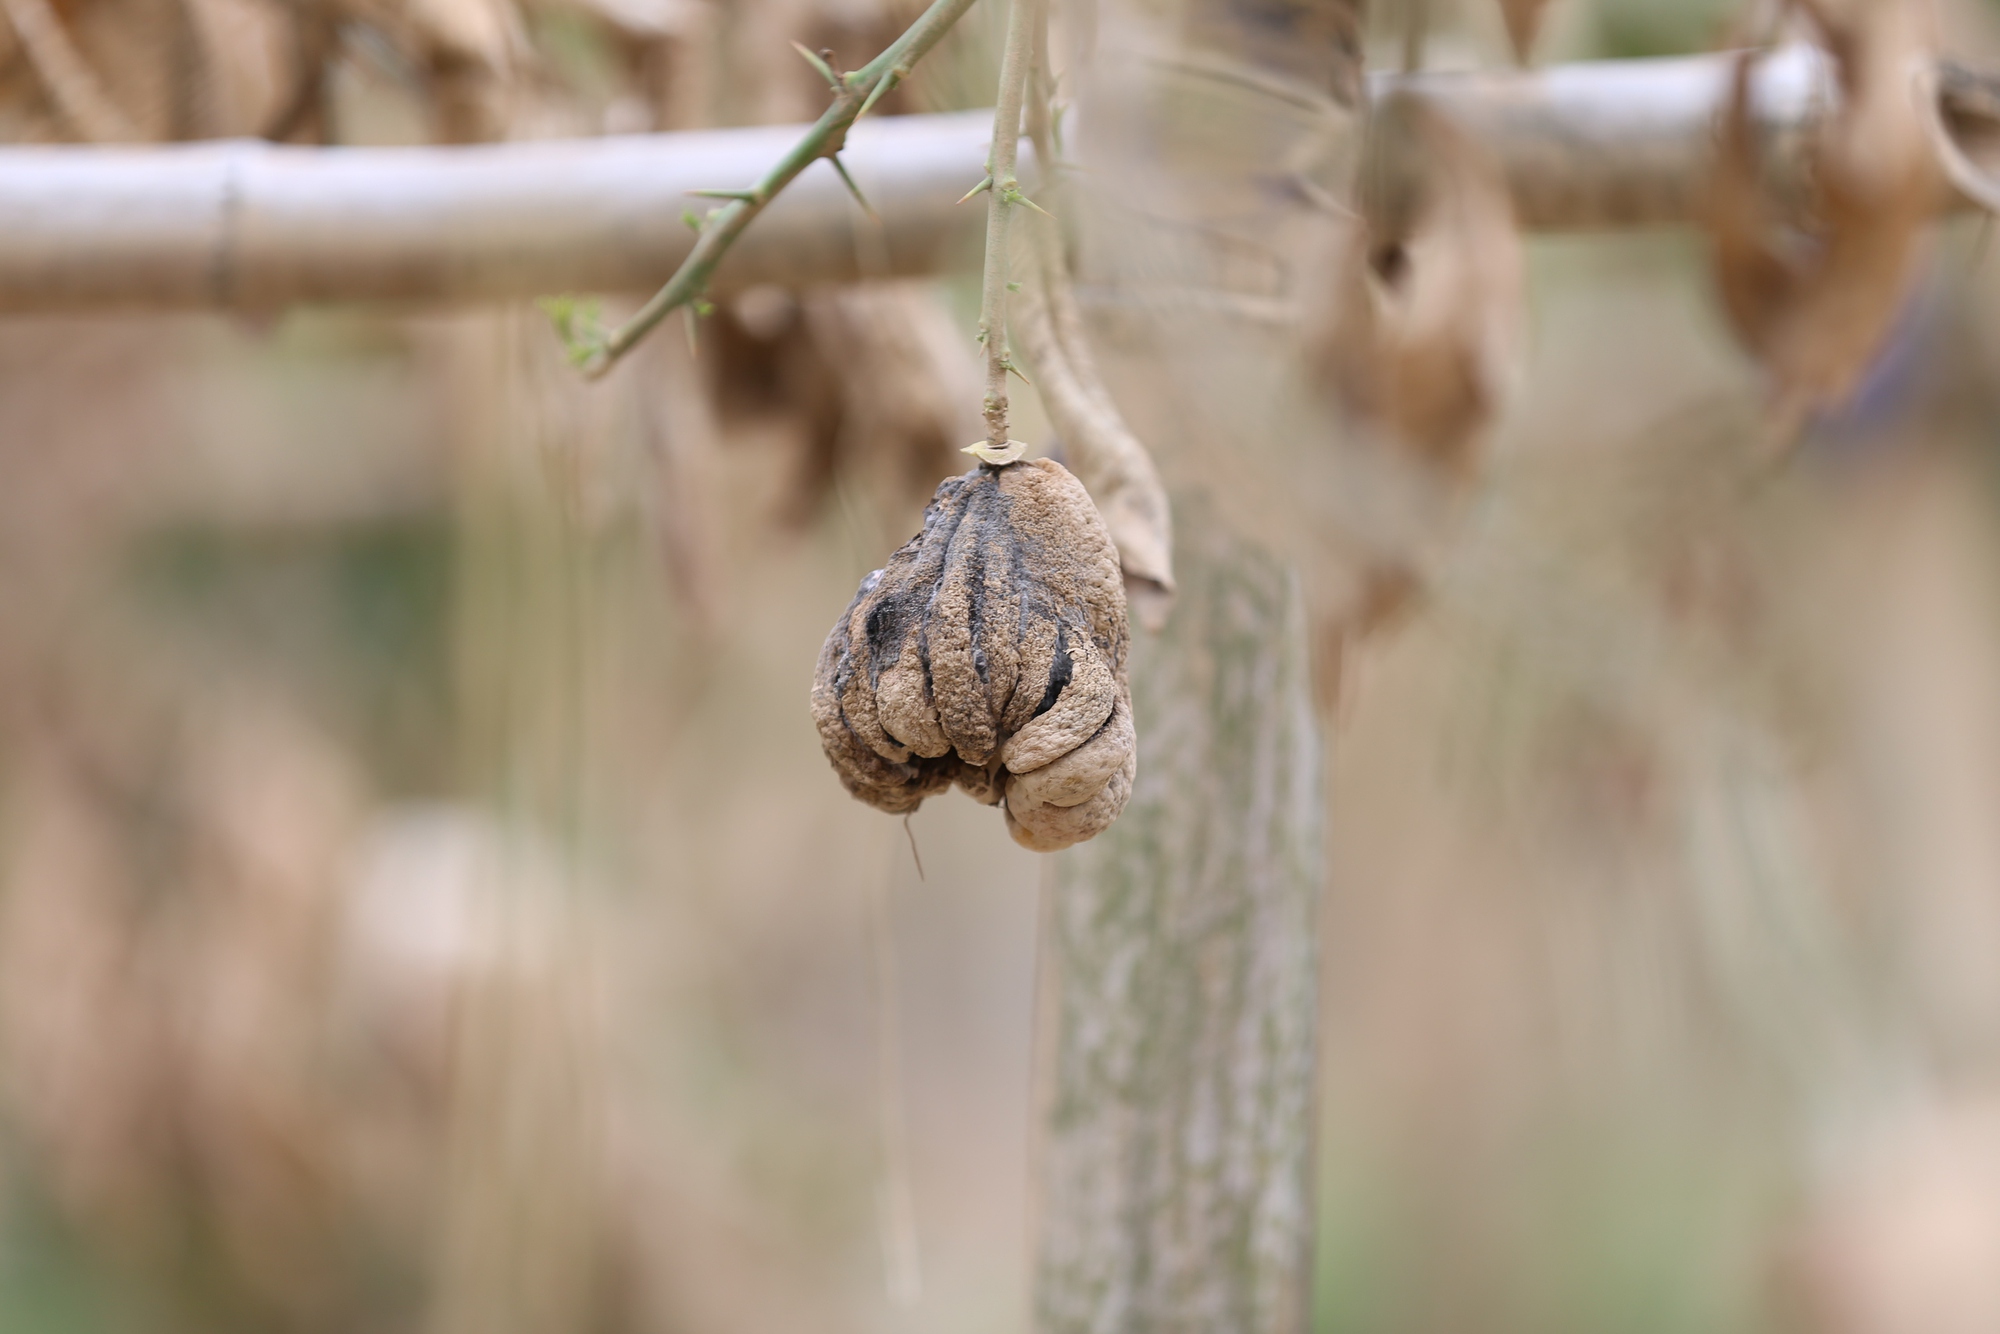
250	225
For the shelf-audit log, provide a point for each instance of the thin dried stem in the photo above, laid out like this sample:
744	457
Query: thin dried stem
857	92
1108	458
1001	199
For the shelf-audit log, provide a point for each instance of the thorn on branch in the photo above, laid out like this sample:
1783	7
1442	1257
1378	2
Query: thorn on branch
1011	194
979	189
818	60
888	81
854	189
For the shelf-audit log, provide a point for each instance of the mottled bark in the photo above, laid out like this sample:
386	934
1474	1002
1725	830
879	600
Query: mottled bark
1176	1158
1180	978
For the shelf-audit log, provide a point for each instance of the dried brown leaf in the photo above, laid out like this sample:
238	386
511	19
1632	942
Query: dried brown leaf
1423	341
72	86
904	376
1961	115
1524	24
1815	301
1109	458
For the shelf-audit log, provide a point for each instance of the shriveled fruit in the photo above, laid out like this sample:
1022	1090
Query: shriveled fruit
989	651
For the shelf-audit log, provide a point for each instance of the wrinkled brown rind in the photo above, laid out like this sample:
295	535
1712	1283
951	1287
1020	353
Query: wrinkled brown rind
990	652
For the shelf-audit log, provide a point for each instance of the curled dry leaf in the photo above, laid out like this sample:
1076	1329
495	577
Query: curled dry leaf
903	379
67	80
1109	458
876	379
151	70
1422	342
1814	301
990	652
1961	114
1524	24
471	51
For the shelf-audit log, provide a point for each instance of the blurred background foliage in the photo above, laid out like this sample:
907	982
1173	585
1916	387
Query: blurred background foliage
426	906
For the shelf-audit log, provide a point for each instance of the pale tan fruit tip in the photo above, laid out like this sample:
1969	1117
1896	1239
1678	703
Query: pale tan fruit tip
987	452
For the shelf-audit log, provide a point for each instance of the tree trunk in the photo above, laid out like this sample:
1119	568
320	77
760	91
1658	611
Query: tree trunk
1180	966
1177	1151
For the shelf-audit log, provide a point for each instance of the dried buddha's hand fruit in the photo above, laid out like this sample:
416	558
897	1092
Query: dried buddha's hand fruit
990	652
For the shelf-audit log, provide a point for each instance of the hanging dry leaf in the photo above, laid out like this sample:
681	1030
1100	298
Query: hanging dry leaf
1422	343
72	87
1815	300
878	381
990	652
1961	114
905	376
470	52
1524	23
1110	459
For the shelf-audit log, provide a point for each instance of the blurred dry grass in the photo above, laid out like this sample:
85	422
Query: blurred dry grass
426	905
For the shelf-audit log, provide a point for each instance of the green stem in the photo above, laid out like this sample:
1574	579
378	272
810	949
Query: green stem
858	91
1000	201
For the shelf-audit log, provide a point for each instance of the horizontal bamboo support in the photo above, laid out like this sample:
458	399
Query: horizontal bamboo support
255	226
251	225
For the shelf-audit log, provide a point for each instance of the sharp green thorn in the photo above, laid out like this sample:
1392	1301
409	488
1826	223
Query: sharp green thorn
889	80
1012	194
1012	369
854	189
978	189
818	62
746	196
